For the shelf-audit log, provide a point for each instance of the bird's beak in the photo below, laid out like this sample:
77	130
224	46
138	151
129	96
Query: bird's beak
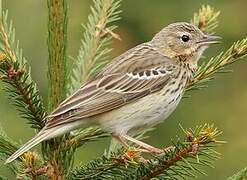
209	39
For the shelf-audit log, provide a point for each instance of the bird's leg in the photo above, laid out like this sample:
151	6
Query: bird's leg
146	147
143	145
120	139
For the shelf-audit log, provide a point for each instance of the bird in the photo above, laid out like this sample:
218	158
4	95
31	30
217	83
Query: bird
135	91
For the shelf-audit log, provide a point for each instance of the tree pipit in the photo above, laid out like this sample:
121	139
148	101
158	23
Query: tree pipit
137	90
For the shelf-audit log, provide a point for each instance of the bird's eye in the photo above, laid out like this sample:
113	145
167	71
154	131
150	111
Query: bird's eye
185	38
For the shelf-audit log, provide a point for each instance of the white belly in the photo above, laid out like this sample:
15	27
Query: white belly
142	114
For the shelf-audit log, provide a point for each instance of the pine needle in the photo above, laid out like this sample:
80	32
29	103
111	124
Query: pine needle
98	34
15	73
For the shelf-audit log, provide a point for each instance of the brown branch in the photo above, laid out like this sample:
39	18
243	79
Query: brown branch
57	39
57	72
206	134
15	76
36	116
31	161
192	148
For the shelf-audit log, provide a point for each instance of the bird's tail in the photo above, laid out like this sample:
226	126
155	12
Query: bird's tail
41	136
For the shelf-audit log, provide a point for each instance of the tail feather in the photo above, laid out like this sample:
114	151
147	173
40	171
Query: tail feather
41	136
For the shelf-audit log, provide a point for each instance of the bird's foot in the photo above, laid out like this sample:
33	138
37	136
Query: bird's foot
169	149
157	151
144	147
152	150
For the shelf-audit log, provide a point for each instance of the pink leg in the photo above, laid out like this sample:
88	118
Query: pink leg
120	139
145	146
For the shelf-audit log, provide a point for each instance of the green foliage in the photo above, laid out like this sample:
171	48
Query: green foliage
80	137
241	175
194	151
216	64
206	19
3	178
61	160
16	75
57	46
94	50
7	147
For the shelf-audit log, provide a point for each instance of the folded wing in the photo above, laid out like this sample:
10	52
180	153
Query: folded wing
135	74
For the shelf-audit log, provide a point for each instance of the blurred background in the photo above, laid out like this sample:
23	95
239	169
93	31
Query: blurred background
223	103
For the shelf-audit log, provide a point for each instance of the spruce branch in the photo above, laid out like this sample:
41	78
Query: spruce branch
3	178
57	42
80	137
7	147
216	64
206	19
189	156
59	160
94	50
29	166
15	73
33	167
241	175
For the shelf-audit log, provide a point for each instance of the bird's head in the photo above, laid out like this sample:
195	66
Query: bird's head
184	41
